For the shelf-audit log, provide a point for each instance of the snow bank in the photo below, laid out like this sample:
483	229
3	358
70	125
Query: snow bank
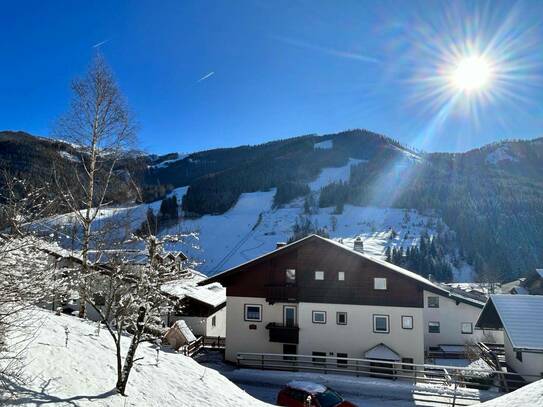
84	373
334	174
530	395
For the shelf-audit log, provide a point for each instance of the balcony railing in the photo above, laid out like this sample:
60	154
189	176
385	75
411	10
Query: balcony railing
281	293
283	334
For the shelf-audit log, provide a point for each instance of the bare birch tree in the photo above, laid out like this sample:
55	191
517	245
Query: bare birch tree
100	126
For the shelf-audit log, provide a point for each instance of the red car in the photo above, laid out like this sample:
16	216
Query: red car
303	394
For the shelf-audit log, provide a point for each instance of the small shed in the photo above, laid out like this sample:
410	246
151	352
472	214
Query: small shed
179	334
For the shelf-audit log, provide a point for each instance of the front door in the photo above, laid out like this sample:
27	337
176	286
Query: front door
289	316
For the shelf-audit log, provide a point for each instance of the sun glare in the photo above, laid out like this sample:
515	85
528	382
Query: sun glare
471	74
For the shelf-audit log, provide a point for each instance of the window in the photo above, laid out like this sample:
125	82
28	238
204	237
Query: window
290	276
319	275
253	312
467	328
518	355
214	321
340	362
407	322
289	349
319	357
433	302
289	316
319	317
341	318
380	324
433	327
341	276
379	283
407	367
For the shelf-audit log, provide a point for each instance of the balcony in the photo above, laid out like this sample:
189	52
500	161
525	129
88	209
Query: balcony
283	334
281	293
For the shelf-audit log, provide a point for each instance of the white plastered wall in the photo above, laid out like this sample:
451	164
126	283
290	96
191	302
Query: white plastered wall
532	363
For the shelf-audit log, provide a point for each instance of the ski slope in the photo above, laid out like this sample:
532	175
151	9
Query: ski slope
253	227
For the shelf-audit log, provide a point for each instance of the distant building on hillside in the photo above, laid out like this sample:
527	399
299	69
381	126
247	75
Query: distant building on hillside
531	284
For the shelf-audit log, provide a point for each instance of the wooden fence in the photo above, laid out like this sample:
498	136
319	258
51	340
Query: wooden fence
215	342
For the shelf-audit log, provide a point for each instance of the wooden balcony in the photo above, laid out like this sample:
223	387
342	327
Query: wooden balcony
283	334
281	293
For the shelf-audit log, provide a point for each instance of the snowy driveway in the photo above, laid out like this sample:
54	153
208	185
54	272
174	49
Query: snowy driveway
363	391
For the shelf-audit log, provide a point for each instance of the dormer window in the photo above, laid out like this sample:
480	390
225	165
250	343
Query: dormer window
379	283
290	276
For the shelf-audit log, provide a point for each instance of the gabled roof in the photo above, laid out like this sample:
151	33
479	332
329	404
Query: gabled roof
521	316
284	249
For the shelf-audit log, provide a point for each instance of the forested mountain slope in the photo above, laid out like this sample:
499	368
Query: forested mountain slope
490	200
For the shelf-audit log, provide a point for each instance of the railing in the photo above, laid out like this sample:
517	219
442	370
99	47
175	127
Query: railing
202	342
214	341
281	293
423	373
282	333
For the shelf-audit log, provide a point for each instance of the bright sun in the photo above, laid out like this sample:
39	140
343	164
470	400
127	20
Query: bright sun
471	74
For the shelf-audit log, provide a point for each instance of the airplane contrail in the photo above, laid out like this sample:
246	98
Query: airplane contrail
101	43
207	76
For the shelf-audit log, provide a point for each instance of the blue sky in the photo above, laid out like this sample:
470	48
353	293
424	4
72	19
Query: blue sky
278	69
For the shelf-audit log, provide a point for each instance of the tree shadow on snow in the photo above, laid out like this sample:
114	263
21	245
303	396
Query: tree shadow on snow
16	394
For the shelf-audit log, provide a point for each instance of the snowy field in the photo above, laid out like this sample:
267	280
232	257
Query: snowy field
84	373
253	227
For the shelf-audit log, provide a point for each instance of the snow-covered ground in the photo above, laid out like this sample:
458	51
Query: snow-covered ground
253	227
527	396
84	373
363	391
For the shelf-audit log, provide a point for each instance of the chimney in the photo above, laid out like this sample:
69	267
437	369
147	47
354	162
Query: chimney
431	277
278	245
358	245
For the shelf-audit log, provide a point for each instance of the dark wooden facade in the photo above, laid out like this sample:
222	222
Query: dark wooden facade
266	277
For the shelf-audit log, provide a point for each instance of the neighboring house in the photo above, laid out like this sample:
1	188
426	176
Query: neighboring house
521	319
179	334
450	320
203	308
531	284
318	297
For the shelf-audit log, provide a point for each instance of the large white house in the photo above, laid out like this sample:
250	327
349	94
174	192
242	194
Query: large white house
318	297
520	317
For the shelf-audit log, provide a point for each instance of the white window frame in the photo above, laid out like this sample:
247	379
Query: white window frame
313	313
407	318
434	323
387	318
341	276
245	308
470	331
379	283
319	275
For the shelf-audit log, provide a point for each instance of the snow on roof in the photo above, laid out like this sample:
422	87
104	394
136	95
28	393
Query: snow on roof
213	294
185	330
522	319
540	272
309	387
530	395
383	352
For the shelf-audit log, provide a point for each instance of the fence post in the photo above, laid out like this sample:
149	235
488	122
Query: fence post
262	361
357	368
454	394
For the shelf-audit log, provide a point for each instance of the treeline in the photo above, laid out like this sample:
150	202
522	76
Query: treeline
304	227
429	258
167	215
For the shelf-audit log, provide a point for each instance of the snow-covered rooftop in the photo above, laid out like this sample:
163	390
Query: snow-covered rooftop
308	387
521	317
185	330
212	294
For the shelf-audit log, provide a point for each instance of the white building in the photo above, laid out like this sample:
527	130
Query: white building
318	297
